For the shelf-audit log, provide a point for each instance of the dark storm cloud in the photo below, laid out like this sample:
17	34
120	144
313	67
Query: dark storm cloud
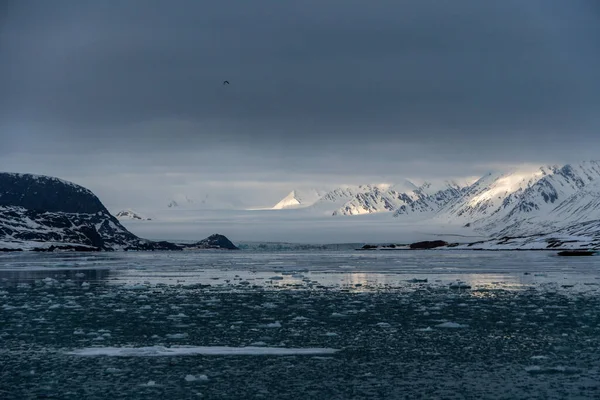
312	82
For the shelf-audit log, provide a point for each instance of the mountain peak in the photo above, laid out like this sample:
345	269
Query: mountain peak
298	199
129	214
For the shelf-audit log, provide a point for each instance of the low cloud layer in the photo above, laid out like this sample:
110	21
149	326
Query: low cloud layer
127	97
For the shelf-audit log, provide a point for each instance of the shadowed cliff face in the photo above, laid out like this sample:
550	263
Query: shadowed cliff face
42	193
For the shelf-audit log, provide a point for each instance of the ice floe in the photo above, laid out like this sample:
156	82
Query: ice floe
450	325
158	351
193	378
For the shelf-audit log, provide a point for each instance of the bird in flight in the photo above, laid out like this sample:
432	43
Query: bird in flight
225	82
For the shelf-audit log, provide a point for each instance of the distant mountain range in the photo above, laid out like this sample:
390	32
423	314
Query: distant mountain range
516	202
202	202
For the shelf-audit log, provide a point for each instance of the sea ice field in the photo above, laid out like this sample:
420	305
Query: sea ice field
300	325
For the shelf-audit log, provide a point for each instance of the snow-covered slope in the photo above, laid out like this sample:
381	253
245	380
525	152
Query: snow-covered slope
129	214
298	199
354	200
529	201
428	199
403	199
584	235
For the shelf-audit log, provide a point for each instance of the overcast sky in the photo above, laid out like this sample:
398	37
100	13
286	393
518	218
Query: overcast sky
126	97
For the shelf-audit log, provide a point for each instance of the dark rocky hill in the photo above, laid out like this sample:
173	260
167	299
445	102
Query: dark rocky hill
46	213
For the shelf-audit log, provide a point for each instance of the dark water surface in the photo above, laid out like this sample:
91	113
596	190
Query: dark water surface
339	325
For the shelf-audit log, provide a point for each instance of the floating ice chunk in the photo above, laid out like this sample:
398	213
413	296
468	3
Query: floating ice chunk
160	351
85	285
80	275
450	325
192	378
177	335
135	287
275	324
338	315
428	329
459	285
540	357
383	325
536	369
331	334
149	383
177	316
78	332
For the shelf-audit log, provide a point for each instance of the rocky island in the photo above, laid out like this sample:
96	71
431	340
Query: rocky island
43	213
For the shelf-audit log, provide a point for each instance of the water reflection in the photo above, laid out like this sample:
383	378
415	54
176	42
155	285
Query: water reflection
17	277
356	271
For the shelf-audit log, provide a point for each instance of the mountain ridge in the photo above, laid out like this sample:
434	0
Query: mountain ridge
520	201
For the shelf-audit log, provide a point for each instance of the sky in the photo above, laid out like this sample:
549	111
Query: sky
127	97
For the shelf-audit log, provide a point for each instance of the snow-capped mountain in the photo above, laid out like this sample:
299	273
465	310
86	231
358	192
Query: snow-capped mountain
405	198
129	214
528	201
298	199
372	199
521	201
352	200
402	198
429	198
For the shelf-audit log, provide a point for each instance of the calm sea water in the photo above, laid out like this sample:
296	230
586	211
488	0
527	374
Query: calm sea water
339	325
